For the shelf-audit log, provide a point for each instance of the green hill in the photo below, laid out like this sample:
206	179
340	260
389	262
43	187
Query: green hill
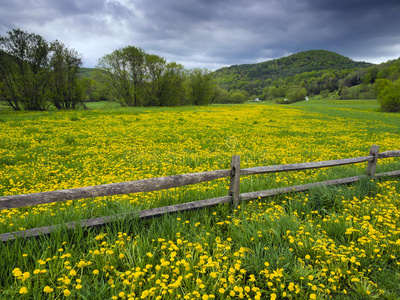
86	72
253	76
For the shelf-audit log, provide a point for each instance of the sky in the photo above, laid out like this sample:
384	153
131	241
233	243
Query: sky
212	33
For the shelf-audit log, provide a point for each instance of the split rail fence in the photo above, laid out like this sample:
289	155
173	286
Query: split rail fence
161	183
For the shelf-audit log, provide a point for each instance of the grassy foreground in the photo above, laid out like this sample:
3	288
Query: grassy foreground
341	242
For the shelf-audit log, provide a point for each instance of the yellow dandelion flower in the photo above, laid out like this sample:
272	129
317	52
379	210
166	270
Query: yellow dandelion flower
48	289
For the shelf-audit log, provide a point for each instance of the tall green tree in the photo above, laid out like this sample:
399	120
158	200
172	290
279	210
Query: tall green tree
200	86
154	70
113	72
135	58
220	95
24	70
125	75
65	91
172	85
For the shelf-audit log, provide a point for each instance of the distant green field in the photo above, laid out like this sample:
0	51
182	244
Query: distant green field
102	105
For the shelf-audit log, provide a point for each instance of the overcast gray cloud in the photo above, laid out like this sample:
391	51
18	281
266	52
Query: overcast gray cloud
213	33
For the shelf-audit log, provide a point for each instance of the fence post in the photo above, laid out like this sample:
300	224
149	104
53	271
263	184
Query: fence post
234	184
372	164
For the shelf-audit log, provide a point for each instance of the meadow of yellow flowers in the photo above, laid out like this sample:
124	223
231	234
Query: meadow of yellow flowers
339	242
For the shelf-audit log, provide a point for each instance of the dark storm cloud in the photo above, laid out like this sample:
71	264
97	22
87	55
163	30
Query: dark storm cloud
19	12
210	33
228	31
363	28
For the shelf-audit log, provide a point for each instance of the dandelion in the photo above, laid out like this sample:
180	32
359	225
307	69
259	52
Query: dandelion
23	290
25	275
81	264
48	289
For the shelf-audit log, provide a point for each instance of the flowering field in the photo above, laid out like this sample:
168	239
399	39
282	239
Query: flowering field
340	242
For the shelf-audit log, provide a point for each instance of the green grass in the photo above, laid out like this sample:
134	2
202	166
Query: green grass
102	105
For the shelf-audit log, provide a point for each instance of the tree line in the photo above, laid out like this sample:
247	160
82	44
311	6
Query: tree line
136	78
36	74
375	82
133	77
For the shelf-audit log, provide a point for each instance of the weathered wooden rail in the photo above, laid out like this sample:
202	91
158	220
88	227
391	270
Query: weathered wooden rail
160	183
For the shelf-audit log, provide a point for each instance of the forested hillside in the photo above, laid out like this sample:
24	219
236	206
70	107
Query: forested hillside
254	77
315	72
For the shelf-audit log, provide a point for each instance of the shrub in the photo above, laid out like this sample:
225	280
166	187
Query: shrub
237	97
296	93
282	101
389	97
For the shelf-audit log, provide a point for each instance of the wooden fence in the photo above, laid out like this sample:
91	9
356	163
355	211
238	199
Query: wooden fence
160	183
